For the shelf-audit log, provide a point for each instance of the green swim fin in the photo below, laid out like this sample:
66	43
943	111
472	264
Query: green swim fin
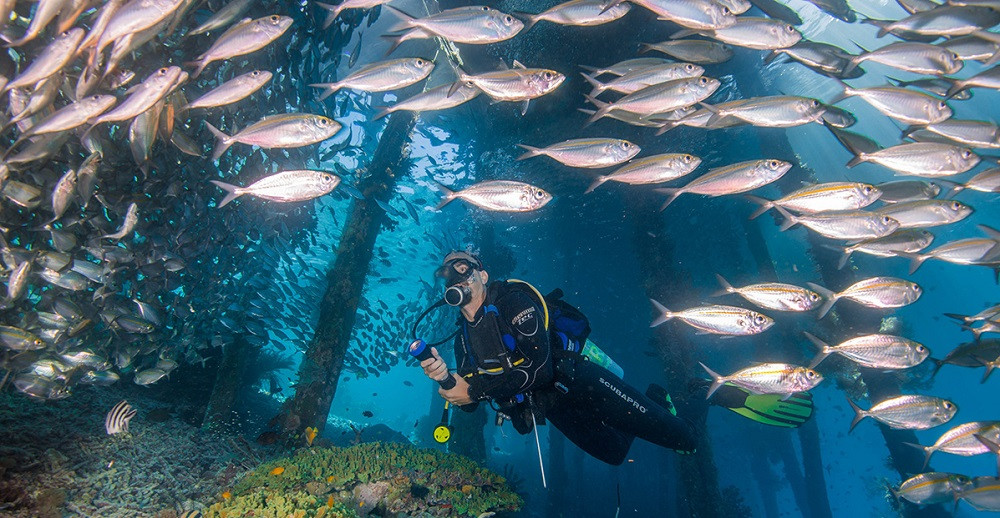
768	409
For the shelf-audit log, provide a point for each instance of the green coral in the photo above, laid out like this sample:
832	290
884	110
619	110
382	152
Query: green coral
397	478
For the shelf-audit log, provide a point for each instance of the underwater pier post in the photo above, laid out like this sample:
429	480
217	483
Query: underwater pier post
219	413
320	369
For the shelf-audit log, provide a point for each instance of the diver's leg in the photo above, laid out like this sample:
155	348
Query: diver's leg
625	408
580	425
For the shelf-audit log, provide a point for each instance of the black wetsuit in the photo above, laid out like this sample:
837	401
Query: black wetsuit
593	407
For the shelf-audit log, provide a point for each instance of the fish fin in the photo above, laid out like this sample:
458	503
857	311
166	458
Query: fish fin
790	220
396	39
928	451
956	88
199	67
667	126
589	68
646	47
531	151
726	287
717	380
843	94
598	86
405	19
859	414
831	298
529	19
595	184
771	56
611	5
664	314
223	141
845	254
328	89
709	107
449	195
334	11
990	232
672	194
986	374
232	191
765	205
994	59
524	106
915	259
462	78
824	349
517	64
683	34
603	109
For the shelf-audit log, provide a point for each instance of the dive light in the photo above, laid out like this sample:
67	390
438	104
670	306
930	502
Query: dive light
419	350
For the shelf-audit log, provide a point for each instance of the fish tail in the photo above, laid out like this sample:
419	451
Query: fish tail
328	89
598	86
405	19
717	380
672	194
232	191
831	298
664	313
333	13
596	183
956	88
385	111
396	40
986	374
199	67
852	64
824	349
726	287
666	126
928	451
859	414
603	109
990	232
845	254
223	141
449	195
589	68
463	76
645	47
994	59
765	205
915	259
531	151
790	220
529	19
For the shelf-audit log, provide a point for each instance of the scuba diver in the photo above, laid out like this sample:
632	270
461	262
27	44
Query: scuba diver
529	356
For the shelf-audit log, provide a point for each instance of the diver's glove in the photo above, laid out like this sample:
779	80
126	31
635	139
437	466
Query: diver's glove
769	409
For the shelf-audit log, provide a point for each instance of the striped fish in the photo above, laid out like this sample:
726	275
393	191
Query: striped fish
191	514
118	418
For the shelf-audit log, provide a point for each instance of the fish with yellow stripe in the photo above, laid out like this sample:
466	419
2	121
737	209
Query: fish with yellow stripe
767	378
876	292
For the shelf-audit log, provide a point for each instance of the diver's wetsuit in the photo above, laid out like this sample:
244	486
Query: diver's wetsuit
594	408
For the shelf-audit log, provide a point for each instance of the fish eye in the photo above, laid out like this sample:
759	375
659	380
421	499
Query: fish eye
703	80
689	67
956	205
773	164
942	105
789	28
548	76
162	71
274	18
539	194
688	158
886	219
626	144
947	405
485	8
810	373
814	297
921	348
759	319
725	10
867	189
508	19
966	153
915	288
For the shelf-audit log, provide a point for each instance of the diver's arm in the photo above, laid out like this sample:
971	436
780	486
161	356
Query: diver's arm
463	368
523	318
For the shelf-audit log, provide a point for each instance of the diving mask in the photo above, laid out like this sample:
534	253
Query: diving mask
456	273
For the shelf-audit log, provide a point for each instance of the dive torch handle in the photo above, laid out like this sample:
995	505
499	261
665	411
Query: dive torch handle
419	350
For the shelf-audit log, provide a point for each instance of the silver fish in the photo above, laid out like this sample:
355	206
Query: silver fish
989	78
918	58
40	387
438	98
68	117
987	180
63	193
695	51
243	38
223	17
134	17
971	133
585	13
908	190
961	440
767	378
516	84
131	218
975	250
148	93
149	376
499	195
936	85
876	351
823	57
45	11
236	89
647	76
286	130
18	281
17	339
660	98
932	488
86	175
716	319
751	32
693	14
773	112
651	170
51	60
823	197
286	186
473	24
626	67
946	21
586	152
907	412
924	159
381	76
731	179
876	292
905	241
971	48
774	295
926	213
901	104
335	10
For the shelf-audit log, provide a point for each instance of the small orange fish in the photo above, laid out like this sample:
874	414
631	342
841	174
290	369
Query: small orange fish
226	495
311	433
277	471
329	501
330	478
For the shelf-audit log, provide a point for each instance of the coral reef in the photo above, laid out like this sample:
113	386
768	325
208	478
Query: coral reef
384	478
57	460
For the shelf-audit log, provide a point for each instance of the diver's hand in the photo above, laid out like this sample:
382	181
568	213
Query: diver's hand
459	394
434	367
